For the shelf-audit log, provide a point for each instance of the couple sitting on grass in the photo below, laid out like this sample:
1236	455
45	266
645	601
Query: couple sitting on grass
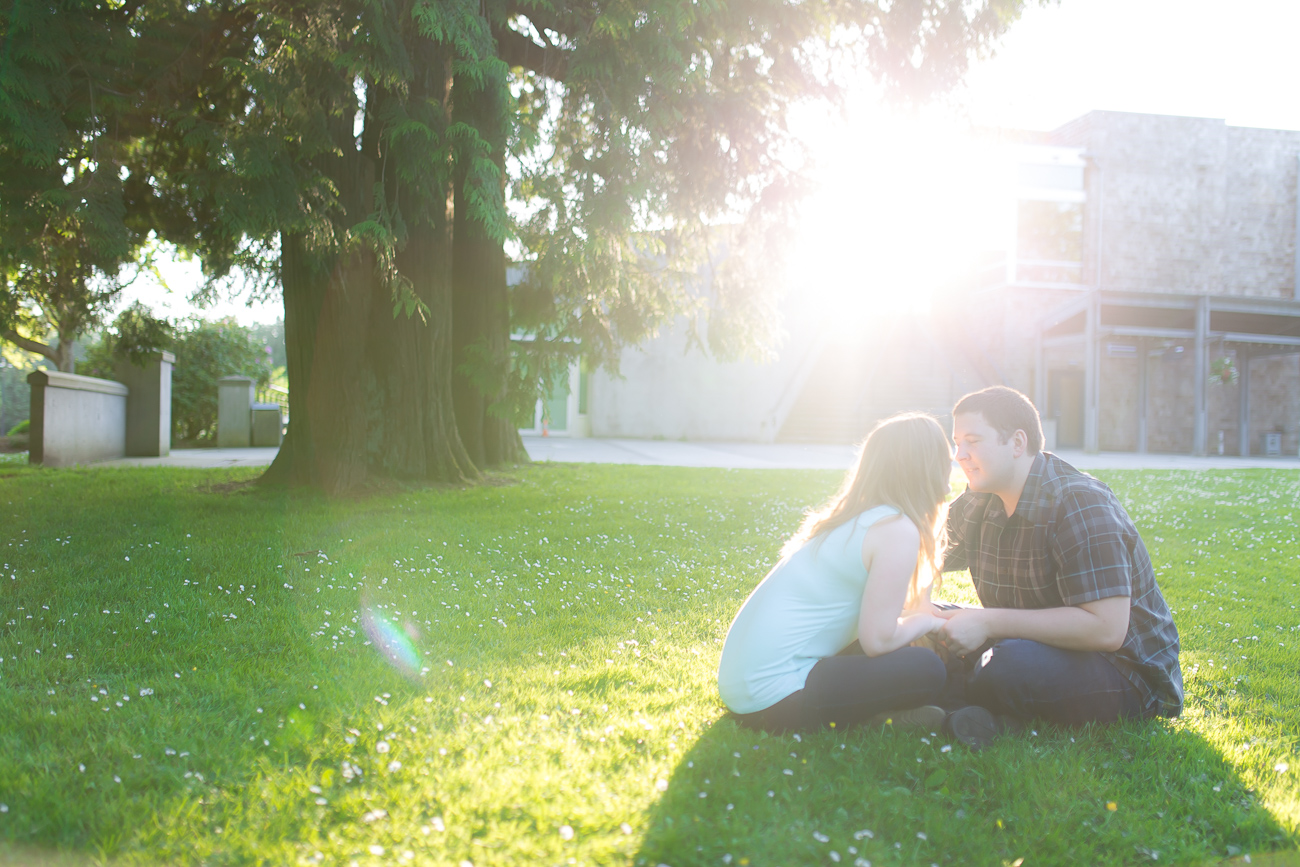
1073	628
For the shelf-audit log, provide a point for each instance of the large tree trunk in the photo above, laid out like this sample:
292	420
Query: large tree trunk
480	308
370	388
326	307
300	279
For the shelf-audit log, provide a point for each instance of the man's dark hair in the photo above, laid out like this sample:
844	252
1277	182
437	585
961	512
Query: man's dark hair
1007	411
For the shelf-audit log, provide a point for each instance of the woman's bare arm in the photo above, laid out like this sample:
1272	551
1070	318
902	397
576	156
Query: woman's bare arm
889	553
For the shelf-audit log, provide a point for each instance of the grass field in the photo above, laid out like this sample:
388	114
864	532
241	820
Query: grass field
196	672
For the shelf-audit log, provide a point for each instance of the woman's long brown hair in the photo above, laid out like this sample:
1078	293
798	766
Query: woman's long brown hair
905	462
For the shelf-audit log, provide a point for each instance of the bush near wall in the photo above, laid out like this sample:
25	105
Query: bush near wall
205	352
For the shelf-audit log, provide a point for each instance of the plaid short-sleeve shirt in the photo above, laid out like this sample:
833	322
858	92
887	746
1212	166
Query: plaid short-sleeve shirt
1069	542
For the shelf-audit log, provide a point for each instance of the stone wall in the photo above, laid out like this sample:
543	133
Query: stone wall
1275	400
76	419
1188	205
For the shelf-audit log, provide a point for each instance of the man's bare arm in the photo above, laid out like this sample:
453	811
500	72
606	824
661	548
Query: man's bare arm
1099	625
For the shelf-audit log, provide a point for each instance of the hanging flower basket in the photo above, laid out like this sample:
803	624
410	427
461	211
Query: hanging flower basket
1223	371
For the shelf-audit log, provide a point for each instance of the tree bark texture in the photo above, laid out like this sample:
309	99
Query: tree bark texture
370	387
480	307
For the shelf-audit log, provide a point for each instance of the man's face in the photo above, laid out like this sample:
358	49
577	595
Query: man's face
989	463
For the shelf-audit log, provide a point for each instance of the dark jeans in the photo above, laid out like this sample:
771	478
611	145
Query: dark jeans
851	688
1029	680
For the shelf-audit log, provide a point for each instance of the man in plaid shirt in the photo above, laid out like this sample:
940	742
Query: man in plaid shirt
1073	628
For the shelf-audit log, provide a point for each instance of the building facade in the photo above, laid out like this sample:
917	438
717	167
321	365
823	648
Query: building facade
1145	299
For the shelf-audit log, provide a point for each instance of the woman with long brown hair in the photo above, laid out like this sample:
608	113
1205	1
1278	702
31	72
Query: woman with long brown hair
857	574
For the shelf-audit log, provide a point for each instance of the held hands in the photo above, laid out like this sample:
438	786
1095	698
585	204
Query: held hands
964	630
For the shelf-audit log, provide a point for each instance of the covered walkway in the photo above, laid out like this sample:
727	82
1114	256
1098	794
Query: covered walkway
1146	325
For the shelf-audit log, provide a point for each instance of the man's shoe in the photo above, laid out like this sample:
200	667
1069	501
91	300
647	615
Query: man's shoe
927	716
976	727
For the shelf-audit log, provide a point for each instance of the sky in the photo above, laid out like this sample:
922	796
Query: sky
905	199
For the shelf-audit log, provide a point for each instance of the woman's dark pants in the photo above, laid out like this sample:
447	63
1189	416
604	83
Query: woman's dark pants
851	688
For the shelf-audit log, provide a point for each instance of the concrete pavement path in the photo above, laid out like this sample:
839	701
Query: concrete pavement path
733	455
202	458
831	457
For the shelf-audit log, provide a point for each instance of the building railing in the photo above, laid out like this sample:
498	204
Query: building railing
277	395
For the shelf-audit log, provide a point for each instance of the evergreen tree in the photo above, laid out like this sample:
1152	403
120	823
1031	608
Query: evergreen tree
353	153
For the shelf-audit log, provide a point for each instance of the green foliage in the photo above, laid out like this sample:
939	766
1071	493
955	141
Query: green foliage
135	335
566	625
21	428
205	352
656	168
82	82
321	143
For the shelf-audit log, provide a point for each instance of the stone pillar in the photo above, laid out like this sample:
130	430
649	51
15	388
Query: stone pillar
1201	372
1144	394
1243	402
1040	373
267	425
149	405
1092	375
234	412
75	419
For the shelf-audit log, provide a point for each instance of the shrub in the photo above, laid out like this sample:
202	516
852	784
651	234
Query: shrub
134	336
205	352
21	428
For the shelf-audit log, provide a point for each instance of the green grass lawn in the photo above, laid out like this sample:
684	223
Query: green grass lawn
185	678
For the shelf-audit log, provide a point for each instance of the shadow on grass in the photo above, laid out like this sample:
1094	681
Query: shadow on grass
1130	794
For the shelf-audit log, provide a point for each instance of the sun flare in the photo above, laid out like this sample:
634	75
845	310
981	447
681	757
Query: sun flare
905	204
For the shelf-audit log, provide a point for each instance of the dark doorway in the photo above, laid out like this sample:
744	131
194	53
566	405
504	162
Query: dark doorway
1065	404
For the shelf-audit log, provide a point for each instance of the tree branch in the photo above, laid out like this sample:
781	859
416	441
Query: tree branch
518	50
28	344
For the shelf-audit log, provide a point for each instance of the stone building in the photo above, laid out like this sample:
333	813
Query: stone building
1149	300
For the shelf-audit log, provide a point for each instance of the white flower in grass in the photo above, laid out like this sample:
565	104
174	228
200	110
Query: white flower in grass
566	832
376	849
920	835
1281	767
381	747
394	766
820	837
661	785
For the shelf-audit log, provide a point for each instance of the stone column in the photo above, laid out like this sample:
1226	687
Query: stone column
1201	365
1092	374
267	425
1243	401
234	412
1144	394
149	405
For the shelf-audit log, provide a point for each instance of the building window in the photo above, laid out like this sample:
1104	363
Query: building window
1049	242
1050	193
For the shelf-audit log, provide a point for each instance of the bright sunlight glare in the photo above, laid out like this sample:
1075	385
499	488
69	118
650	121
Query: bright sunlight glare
905	203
